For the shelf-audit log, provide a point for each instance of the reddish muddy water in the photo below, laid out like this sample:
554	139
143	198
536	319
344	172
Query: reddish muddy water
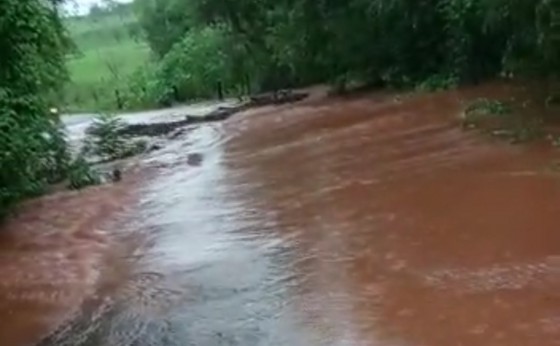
365	221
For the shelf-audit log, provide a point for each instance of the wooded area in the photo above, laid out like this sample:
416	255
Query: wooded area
32	149
244	46
264	44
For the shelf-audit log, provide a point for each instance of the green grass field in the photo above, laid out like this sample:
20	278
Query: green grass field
107	62
107	54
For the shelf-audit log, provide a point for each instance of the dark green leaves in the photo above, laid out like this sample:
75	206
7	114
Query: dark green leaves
32	145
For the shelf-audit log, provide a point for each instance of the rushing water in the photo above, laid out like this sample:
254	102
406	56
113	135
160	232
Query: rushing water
357	222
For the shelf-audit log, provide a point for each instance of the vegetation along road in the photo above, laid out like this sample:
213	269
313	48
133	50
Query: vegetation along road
405	193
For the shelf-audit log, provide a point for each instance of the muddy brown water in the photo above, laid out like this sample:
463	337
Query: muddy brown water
368	221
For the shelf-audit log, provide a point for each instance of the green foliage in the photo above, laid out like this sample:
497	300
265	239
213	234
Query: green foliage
32	146
99	75
106	141
81	175
433	44
165	22
437	82
144	88
239	46
103	137
196	64
109	51
55	164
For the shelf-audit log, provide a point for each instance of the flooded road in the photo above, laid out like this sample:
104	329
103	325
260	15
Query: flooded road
368	221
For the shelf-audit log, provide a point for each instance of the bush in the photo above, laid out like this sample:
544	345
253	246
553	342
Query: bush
145	89
105	140
32	146
103	137
80	174
432	44
196	65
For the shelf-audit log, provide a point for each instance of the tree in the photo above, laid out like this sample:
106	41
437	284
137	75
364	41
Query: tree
436	43
165	22
33	43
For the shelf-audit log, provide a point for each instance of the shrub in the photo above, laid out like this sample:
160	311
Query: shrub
80	174
105	140
32	146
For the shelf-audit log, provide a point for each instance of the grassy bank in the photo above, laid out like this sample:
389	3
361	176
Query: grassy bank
108	52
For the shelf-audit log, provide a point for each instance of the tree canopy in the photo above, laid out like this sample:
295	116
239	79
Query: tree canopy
399	42
201	46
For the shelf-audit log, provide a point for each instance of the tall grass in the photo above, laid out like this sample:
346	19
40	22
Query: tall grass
107	54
